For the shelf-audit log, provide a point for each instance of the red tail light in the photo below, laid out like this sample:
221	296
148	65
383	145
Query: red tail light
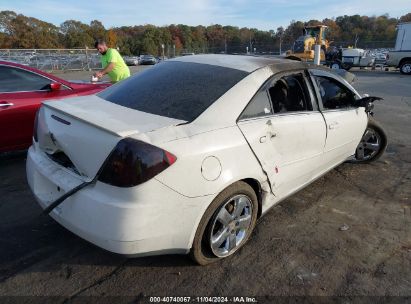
134	162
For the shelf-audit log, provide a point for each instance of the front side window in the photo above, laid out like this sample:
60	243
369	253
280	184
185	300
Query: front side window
17	80
334	95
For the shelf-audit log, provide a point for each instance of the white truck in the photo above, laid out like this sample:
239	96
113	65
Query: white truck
401	56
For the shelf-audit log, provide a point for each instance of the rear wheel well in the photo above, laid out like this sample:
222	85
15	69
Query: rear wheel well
404	60
257	189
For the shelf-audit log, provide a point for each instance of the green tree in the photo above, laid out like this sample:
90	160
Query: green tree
6	18
19	31
406	18
97	30
47	34
333	31
216	38
293	31
111	39
152	40
76	34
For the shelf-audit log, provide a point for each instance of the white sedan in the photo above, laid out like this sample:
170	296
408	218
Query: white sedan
185	156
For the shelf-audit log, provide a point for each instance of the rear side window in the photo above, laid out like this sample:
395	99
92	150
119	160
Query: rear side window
18	80
259	106
181	90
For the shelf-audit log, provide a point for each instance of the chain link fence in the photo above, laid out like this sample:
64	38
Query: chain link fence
275	49
369	45
242	48
89	59
54	59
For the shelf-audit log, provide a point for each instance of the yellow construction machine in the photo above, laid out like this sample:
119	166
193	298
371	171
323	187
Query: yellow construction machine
303	48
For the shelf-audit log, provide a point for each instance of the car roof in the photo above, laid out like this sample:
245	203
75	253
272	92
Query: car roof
243	62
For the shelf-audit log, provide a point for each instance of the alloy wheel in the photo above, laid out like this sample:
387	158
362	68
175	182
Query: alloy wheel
231	225
406	68
369	146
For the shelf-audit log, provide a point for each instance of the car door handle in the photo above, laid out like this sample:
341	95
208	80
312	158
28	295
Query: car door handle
333	125
269	135
6	104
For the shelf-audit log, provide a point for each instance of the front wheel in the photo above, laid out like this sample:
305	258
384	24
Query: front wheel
226	225
372	145
405	67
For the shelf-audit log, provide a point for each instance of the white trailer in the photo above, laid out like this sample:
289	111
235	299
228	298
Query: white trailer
357	57
353	57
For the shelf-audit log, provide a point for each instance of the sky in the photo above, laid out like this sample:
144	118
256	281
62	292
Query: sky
260	14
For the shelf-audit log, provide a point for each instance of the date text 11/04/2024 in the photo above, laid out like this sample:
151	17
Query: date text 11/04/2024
203	300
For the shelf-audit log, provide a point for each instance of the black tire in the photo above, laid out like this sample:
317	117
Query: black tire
201	251
365	155
405	67
335	65
347	67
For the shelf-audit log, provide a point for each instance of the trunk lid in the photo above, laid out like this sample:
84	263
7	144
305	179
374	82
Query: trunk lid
79	133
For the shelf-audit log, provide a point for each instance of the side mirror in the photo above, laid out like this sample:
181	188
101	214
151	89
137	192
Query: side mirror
55	86
367	102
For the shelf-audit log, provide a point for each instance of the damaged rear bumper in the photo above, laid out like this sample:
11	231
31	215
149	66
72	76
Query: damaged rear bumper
144	220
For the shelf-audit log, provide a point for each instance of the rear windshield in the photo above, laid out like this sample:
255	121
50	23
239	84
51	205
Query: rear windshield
181	90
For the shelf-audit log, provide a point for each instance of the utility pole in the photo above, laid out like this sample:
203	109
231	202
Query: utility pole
272	36
225	45
251	46
281	41
87	61
356	40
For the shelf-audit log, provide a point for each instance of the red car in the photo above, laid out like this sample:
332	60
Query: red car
22	90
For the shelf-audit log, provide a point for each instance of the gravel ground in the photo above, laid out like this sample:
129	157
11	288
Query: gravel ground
300	248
